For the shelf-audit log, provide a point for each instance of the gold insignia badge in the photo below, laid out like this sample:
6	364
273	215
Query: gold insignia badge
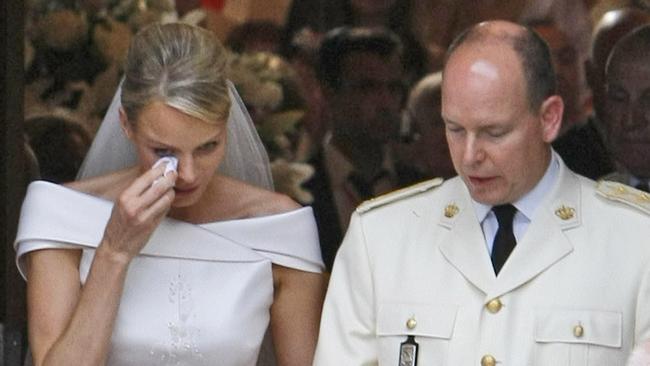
644	197
451	210
565	213
621	193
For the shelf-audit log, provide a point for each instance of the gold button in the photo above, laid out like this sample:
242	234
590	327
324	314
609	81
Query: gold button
411	323
578	331
494	305
488	360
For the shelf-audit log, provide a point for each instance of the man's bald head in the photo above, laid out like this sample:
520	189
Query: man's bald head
634	46
532	51
610	28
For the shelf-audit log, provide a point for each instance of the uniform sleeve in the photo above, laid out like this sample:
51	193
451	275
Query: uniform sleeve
347	334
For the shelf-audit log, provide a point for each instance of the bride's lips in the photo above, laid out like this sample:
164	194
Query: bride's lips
186	190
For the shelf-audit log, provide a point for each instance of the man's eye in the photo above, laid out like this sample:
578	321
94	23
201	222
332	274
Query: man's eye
454	130
496	133
616	94
644	102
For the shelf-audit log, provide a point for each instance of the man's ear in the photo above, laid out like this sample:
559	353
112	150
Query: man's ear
551	117
124	124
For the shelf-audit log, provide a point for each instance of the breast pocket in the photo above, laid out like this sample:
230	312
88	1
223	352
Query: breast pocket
578	337
431	325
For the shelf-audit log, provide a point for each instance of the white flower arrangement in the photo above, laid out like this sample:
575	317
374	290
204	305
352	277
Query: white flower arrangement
268	87
258	79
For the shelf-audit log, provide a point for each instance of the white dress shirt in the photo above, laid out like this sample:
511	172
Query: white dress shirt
525	206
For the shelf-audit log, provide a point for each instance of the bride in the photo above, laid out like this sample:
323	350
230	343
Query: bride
142	264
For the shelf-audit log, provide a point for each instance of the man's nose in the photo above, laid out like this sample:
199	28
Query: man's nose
474	152
638	116
390	94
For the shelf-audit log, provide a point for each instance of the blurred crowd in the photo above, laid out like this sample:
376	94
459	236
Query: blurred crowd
345	93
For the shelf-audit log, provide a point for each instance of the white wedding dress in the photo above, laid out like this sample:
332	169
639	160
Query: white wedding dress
197	294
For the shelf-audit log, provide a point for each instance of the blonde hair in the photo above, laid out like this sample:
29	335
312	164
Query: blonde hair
181	66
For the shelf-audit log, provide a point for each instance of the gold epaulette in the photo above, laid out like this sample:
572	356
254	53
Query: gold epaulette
623	193
399	194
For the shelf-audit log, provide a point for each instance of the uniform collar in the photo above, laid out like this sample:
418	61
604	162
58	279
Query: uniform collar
462	244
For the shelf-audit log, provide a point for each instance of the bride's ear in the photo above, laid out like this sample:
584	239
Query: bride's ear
124	124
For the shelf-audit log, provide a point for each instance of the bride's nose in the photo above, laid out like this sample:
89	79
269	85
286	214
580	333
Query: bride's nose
187	169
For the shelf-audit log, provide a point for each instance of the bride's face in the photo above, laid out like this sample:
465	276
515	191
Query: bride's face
199	147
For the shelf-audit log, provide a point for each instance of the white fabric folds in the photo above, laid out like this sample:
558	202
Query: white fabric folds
53	216
197	294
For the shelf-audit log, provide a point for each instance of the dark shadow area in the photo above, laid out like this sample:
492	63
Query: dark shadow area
13	181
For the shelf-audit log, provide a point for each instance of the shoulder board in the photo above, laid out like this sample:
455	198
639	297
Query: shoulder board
399	194
623	193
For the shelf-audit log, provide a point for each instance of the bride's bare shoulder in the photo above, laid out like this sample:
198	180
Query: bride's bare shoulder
255	201
106	186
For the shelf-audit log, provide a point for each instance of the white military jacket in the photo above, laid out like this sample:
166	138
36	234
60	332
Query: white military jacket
575	290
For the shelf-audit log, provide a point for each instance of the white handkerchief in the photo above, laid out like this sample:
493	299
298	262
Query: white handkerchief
171	165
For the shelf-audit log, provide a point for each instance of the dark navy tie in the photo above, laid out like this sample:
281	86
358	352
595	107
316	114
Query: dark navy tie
504	240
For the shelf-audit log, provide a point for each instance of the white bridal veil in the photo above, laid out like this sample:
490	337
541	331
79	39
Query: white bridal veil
245	159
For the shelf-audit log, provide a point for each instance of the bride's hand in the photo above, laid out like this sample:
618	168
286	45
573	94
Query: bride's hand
137	212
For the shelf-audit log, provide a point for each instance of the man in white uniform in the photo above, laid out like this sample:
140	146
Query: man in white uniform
517	261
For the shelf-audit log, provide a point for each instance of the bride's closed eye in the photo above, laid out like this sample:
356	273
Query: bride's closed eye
162	152
208	147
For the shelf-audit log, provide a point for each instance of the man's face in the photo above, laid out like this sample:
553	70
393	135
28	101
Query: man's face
370	97
627	110
568	68
498	146
429	151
